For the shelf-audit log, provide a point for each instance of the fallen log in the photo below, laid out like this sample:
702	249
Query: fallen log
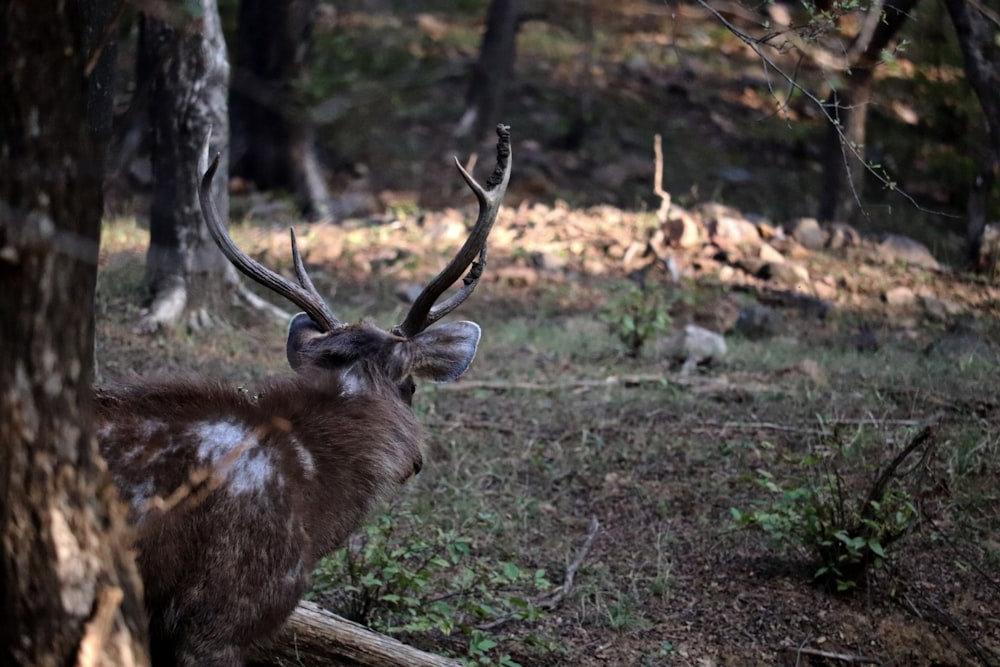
316	637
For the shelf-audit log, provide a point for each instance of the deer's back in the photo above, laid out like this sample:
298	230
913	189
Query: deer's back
234	497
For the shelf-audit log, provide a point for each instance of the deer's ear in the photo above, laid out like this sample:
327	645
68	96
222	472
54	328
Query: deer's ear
443	352
301	331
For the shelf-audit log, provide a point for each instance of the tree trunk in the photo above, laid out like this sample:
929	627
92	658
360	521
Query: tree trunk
849	111
185	272
273	139
492	71
69	589
314	636
977	36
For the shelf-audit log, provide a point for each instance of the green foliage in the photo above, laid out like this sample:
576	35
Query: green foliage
846	530
637	314
405	576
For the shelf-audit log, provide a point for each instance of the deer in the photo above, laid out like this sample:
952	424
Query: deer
234	496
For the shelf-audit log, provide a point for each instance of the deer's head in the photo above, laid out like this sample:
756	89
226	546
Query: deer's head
363	357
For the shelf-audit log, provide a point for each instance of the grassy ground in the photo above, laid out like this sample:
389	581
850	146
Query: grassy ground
555	426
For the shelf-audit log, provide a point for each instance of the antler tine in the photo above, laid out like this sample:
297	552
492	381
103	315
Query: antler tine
423	312
305	297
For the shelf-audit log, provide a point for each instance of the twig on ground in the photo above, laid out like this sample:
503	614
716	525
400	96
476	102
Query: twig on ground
553	601
567	585
476	424
504	385
797	428
829	655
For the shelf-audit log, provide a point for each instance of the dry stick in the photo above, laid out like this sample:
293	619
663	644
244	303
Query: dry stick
771	426
877	492
829	655
658	190
502	385
567	586
553	601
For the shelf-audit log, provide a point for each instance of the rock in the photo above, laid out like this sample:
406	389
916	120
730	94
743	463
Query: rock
841	235
785	272
757	322
693	345
961	343
897	248
727	227
802	273
767	231
939	310
752	265
684	231
726	274
635	256
791	248
899	296
825	288
808	233
549	261
769	254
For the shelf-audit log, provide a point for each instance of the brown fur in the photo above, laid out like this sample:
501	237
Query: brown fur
228	528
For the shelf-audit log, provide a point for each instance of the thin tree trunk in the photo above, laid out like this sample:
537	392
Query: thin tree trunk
69	589
273	139
977	26
185	272
843	171
492	71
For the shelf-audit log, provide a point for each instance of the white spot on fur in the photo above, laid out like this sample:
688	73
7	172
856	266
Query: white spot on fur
305	457
251	472
142	496
351	384
218	440
105	431
151	427
231	451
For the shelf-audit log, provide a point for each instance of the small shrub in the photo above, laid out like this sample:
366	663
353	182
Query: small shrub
846	531
403	576
638	314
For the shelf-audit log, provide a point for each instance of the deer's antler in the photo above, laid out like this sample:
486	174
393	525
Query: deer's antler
423	312
305	295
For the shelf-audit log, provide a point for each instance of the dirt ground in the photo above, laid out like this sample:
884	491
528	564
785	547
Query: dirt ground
555	425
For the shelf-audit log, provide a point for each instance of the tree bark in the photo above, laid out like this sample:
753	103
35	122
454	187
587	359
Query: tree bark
185	272
977	36
843	171
273	138
69	589
492	71
316	637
